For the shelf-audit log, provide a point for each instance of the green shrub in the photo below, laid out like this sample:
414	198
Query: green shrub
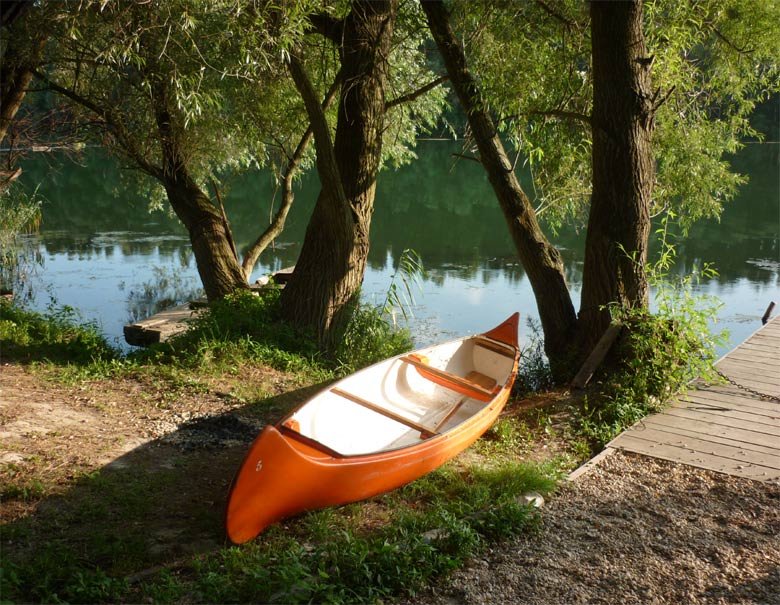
56	336
661	352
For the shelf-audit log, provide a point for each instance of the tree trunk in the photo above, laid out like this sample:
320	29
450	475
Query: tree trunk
542	262
20	56
330	267
218	266
623	167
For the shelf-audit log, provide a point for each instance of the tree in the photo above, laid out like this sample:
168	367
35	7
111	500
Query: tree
20	54
372	64
622	121
562	109
173	92
541	260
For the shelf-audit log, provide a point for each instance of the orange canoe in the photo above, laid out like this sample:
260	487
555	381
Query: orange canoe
375	430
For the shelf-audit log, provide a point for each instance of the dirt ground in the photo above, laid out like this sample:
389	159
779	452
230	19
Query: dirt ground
151	462
636	530
159	456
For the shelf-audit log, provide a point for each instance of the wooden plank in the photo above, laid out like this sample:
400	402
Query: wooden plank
753	359
705	446
725	420
731	400
766	421
698	459
667	424
746	436
697	401
424	430
763	347
750	365
596	356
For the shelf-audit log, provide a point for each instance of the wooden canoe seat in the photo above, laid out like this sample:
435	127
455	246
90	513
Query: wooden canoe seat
475	384
425	432
496	347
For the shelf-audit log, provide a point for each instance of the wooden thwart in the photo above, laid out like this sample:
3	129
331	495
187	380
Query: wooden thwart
496	347
465	383
425	432
451	413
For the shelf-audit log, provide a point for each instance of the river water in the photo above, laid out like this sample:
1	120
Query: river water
102	253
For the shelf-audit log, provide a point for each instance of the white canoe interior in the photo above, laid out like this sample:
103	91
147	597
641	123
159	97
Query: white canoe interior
392	404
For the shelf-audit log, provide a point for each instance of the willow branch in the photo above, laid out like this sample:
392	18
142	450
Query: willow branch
415	94
117	130
559	113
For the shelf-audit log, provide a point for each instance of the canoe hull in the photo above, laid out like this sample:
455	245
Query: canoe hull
284	474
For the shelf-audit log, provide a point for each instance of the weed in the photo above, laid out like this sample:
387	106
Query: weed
662	353
55	575
533	374
507	437
368	338
29	491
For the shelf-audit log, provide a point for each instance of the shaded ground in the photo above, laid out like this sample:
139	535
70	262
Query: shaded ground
135	469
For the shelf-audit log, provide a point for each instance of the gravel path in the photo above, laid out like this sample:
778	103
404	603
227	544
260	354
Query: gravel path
636	530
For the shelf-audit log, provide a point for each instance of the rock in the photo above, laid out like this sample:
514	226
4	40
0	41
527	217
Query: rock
534	499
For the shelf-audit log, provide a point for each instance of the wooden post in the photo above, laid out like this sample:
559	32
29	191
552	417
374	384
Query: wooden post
768	312
596	356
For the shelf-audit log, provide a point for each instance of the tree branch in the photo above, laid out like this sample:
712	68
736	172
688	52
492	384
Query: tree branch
415	94
327	26
729	43
255	249
559	113
546	8
117	130
327	167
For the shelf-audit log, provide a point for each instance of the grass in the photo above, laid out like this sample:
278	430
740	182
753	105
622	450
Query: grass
102	533
431	527
95	534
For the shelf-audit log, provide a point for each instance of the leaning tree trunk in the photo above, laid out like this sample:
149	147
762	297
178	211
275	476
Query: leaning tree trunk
21	54
330	267
623	167
218	267
542	262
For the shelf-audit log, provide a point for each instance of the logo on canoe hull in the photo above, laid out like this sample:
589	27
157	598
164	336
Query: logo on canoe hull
259	466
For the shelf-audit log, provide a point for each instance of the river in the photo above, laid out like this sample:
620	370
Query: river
102	253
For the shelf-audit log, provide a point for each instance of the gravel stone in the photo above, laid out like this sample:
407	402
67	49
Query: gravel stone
636	530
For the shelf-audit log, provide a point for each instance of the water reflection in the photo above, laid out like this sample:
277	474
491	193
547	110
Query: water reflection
107	256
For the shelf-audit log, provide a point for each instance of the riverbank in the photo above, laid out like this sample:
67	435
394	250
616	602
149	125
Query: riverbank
132	472
113	488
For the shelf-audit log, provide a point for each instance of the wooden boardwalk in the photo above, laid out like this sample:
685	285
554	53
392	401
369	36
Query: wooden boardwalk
722	427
